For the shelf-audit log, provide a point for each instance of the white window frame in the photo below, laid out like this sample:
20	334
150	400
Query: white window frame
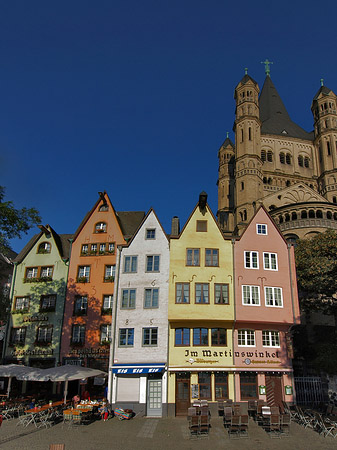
105	333
32	272
151	293
107	301
44	333
268	257
78	334
192	257
18	335
244	336
153	333
46	271
251	259
110	271
84	272
81	304
48	301
22	303
261	229
150	266
130	264
126	295
272	290
249	303
102	247
271	338
128	331
150	233
100	227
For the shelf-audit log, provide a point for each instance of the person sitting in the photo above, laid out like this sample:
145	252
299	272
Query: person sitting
76	400
86	395
104	412
32	403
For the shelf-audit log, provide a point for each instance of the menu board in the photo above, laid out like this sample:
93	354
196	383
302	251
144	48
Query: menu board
195	390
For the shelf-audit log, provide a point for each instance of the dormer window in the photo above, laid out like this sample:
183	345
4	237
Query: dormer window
44	247
104	208
100	227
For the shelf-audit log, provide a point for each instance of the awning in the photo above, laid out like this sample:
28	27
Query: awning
134	369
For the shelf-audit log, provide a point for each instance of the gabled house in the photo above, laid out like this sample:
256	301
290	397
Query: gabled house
37	303
140	348
266	308
200	313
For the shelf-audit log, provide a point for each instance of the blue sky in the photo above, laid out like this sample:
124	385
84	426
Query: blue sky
136	97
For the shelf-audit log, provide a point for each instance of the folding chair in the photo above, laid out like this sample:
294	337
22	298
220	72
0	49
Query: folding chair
227	417
325	427
285	424
274	426
234	428
244	426
220	408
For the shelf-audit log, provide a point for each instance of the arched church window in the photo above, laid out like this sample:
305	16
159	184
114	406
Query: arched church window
244	214
287	218
304	215
311	214
263	155
270	180
306	162
288	158
293	216
249	132
287	183
319	214
329	215
282	158
280	219
300	161
334	199
241	135
265	181
270	156
334	216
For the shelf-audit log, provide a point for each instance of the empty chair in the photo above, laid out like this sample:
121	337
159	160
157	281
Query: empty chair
194	426
220	408
285	424
203	402
237	410
234	428
244	425
192	411
204	424
252	408
275	410
204	411
196	403
227	417
274	425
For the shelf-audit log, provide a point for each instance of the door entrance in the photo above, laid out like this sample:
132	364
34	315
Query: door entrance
182	394
154	398
274	390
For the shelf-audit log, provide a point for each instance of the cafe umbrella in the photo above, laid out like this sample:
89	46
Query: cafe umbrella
14	370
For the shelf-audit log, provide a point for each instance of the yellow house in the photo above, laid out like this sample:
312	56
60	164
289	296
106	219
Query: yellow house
200	313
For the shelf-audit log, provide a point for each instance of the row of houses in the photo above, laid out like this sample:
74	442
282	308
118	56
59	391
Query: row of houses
170	318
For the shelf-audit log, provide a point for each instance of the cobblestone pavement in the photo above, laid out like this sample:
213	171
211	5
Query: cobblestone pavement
142	433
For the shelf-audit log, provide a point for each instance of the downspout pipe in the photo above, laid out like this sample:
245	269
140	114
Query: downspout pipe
291	284
67	262
234	321
113	331
9	315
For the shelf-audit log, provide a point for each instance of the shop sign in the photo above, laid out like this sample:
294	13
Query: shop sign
89	351
37	318
39	352
262	390
288	390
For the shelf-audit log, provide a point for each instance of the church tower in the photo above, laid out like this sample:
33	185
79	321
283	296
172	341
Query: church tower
226	185
325	122
248	165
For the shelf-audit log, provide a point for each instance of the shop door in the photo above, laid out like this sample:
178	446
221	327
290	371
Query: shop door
182	394
154	398
274	390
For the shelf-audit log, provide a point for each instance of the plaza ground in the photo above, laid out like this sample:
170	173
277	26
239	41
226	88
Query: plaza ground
142	433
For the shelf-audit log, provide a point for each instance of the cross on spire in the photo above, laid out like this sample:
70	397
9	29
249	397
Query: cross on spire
267	68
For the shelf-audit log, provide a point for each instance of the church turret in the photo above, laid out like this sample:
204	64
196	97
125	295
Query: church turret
226	184
247	129
325	125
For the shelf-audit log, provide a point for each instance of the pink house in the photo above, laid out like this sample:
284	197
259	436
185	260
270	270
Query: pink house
266	307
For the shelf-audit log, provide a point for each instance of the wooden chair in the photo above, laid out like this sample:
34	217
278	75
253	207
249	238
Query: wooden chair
220	408
227	417
234	428
285	424
244	425
194	426
274	426
57	446
204	424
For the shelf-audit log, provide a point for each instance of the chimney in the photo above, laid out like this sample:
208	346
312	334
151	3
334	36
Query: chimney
175	228
202	200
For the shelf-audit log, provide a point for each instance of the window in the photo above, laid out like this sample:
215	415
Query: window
44	334
93	249
78	334
221	294
182	292
250	295
282	158
201	225
81	305
248	386
288	158
150	233
130	264
150	337
44	247
111	247
270	156
211	257
21	303
83	274
221	385
46	272
270	338
201	293
204	380
200	336
251	260
84	249
128	298
152	263
270	261
192	257
182	336
263	155
107	301
48	302
31	272
102	248
151	298
18	335
306	162
100	227
246	338
300	160
261	228
273	296
219	336
109	273
126	336
105	333
104	207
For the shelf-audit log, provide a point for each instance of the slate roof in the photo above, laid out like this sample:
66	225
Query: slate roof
274	116
129	222
227	143
324	90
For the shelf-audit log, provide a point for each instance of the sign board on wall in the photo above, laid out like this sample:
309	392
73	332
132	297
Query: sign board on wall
195	390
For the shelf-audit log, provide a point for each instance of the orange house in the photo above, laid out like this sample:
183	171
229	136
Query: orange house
87	325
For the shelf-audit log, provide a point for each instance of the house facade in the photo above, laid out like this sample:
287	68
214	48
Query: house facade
38	297
201	313
266	308
138	375
86	333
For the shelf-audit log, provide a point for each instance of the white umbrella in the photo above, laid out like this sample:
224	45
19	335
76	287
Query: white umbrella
13	370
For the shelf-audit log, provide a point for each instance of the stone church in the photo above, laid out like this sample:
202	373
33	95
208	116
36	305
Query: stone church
274	162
